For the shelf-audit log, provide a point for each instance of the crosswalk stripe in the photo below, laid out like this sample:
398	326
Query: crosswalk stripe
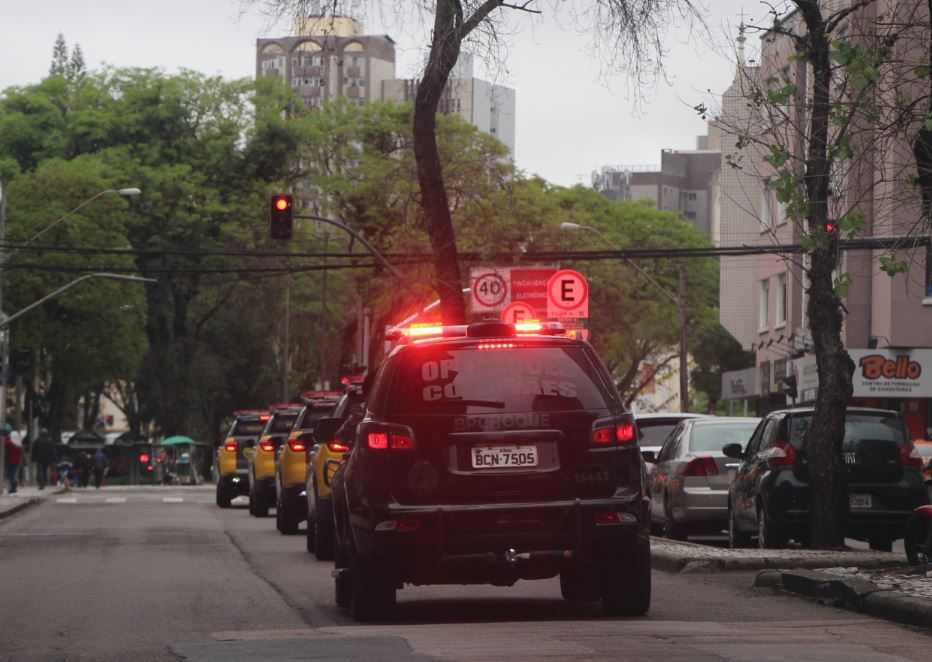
172	500
66	500
116	500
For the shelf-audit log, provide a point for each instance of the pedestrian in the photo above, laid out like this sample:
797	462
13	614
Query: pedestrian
14	456
82	468
42	456
64	467
99	463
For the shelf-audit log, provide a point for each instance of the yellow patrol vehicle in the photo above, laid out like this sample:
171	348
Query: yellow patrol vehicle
291	462
231	460
262	461
323	461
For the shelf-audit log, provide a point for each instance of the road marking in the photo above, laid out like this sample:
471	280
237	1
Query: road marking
116	500
66	500
172	499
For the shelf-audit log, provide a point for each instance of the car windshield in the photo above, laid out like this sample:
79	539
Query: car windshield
242	428
282	423
653	433
713	436
858	427
442	381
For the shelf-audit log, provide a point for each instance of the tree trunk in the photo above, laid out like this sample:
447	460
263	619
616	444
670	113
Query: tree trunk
445	48
922	151
828	480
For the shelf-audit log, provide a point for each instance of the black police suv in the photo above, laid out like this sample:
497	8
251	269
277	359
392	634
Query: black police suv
769	496
488	456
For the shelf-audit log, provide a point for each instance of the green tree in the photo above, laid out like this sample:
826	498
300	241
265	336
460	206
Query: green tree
59	66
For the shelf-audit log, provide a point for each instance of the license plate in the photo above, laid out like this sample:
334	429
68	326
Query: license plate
491	457
860	500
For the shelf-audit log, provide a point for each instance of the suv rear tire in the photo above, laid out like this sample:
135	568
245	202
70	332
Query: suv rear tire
626	582
285	521
223	496
323	540
372	594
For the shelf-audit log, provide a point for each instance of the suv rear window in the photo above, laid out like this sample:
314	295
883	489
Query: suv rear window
243	428
310	415
858	427
282	423
442	381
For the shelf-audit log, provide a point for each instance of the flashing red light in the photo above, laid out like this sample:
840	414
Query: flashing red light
296	446
423	330
496	345
701	466
337	447
625	433
529	326
230	446
144	458
830	228
267	446
282	203
150	468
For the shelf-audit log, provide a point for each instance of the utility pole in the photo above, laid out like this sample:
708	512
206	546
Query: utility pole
286	359
4	334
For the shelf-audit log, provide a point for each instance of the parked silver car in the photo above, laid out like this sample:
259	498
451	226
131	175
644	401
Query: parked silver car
653	428
690	478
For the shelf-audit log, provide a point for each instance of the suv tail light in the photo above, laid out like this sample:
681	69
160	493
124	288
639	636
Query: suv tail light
230	445
620	432
296	446
395	439
910	457
703	465
267	446
337	447
781	455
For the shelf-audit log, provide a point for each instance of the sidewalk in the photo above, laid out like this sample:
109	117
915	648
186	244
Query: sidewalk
24	497
880	584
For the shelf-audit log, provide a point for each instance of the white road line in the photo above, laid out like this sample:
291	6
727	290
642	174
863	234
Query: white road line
116	500
66	500
172	499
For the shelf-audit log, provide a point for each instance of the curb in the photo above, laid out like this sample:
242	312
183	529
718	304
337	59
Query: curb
684	562
28	503
852	593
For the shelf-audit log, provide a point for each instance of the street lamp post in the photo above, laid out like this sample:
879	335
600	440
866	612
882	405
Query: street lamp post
679	300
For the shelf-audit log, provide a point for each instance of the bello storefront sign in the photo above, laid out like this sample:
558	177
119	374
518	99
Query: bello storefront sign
892	373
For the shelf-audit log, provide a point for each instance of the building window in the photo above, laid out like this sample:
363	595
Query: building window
766	207
691	215
691	197
764	302
780	312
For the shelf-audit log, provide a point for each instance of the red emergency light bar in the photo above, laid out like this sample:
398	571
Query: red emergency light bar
321	395
486	328
285	405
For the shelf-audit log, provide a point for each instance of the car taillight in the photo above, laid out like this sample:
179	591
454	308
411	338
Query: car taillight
620	433
910	457
701	466
267	446
337	447
781	455
296	446
496	345
390	439
230	446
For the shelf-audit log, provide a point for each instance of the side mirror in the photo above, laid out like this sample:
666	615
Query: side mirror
325	429
649	456
733	450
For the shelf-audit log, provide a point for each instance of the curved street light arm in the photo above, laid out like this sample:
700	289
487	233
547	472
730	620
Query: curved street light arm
35	304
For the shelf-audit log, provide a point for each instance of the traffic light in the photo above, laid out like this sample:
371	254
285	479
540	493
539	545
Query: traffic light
281	217
831	231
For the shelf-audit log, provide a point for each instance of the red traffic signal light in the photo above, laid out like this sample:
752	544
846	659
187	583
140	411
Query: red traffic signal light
830	227
281	217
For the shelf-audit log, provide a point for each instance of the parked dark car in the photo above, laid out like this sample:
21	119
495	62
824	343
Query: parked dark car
485	457
770	494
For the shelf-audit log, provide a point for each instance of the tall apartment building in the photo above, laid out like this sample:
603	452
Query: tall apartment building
488	107
683	182
888	321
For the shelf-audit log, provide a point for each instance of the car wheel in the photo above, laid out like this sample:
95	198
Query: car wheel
767	536
286	520
917	541
737	539
260	506
342	581
579	584
626	582
372	593
223	496
672	529
309	537
323	539
881	544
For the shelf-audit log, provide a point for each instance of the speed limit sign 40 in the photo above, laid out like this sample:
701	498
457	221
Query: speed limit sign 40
489	291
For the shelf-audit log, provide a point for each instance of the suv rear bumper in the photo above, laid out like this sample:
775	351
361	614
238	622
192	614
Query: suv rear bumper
498	543
867	524
235	484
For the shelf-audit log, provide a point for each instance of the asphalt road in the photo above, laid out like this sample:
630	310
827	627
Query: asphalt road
163	574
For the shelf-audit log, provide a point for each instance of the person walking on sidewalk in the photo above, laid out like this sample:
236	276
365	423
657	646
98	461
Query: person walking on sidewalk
42	455
14	456
99	463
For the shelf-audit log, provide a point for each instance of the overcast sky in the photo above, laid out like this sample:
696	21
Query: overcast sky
569	121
